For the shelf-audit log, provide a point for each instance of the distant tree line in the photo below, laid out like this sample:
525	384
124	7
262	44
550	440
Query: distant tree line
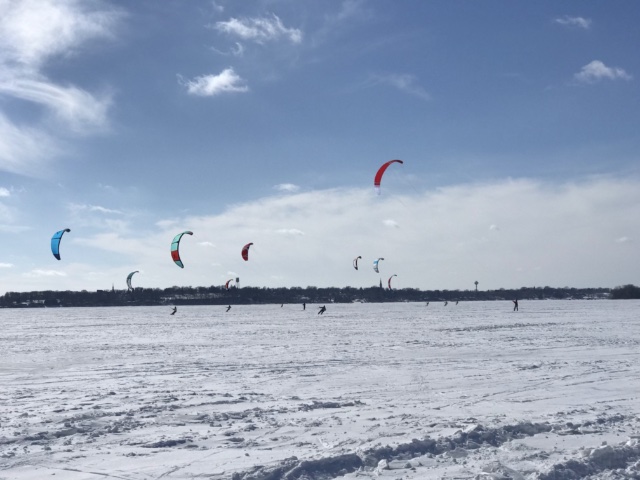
215	295
625	292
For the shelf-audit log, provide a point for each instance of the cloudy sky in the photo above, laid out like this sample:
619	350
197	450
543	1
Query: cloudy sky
265	122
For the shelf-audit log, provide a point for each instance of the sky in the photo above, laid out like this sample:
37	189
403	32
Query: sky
266	121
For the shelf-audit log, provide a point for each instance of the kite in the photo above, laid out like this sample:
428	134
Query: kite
380	172
389	282
55	242
245	251
175	244
129	279
355	262
375	264
226	285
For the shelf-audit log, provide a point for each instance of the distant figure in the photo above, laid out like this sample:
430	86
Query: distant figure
446	303
281	305
304	306
456	302
515	305
322	310
228	308
427	304
175	309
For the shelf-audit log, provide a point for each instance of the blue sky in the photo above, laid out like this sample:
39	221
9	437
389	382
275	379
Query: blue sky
265	121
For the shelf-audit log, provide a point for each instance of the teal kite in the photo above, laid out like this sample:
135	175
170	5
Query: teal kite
175	244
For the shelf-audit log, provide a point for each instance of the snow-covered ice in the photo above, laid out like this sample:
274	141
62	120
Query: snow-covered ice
397	390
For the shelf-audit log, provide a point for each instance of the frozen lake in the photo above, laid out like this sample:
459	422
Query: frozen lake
397	390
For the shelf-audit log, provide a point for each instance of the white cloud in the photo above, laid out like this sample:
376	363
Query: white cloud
33	31
403	82
216	7
81	111
6	213
579	22
115	225
350	9
623	240
4	192
445	240
390	223
25	150
292	232
210	85
136	248
494	227
236	50
259	30
98	218
6	265
78	208
553	232
596	71
14	228
44	273
287	187
97	208
348	13
166	224
108	188
206	244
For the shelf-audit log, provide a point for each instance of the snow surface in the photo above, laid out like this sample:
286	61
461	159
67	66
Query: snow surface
396	391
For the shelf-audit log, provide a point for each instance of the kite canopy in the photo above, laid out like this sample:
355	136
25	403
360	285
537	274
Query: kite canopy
129	279
226	285
375	264
355	262
55	242
175	244
389	282
245	251
380	172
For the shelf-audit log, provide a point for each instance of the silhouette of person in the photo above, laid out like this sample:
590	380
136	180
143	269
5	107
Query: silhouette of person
456	302
175	309
228	308
322	310
446	303
515	305
427	304
304	306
